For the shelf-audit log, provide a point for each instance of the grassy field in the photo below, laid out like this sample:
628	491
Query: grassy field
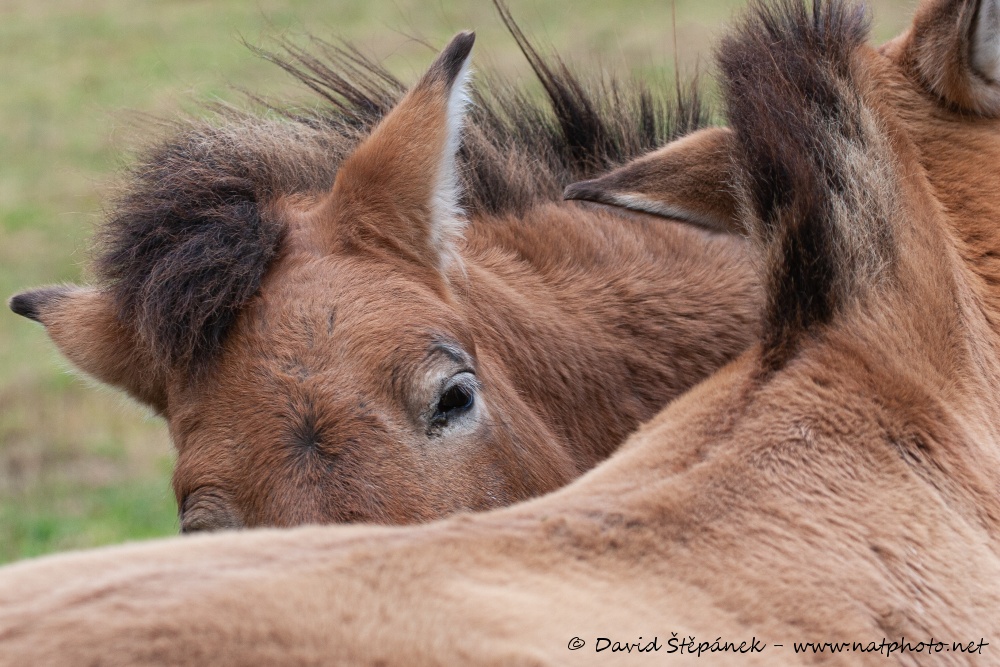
80	465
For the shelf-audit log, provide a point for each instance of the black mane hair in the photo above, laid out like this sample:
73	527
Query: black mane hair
809	152
188	241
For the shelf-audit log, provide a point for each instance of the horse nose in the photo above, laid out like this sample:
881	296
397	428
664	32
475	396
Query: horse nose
208	509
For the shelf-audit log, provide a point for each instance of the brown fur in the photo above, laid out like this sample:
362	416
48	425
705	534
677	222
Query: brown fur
299	341
847	493
192	233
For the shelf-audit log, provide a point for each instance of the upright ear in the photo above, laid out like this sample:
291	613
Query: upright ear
688	179
83	325
956	46
400	187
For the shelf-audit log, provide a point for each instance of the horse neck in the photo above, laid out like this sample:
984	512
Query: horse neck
601	319
848	426
896	389
940	318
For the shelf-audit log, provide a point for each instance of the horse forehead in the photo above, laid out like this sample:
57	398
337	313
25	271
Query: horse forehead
269	402
324	354
338	333
357	286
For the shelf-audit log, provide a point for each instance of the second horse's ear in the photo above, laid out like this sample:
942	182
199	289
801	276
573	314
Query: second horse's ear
688	180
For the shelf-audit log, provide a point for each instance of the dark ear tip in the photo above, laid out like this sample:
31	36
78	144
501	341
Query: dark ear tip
575	190
462	43
453	57
24	305
587	191
29	304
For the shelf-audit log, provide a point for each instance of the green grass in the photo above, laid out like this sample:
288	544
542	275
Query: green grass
82	514
79	466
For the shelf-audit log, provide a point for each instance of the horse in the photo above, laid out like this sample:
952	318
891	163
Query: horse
830	495
366	313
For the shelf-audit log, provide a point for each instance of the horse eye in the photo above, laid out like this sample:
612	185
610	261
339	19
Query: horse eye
456	398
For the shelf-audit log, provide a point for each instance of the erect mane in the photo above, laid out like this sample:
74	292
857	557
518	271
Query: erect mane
188	241
814	186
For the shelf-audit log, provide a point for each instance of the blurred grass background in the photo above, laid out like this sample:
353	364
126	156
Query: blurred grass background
80	465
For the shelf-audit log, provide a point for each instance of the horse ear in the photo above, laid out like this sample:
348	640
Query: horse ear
83	325
956	44
688	179
400	187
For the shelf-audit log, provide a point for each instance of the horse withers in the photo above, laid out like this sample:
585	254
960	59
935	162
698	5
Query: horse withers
371	314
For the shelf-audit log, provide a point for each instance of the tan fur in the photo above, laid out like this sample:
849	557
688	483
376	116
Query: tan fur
851	494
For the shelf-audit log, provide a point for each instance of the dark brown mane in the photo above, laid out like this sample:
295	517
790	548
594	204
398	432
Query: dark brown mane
189	240
794	102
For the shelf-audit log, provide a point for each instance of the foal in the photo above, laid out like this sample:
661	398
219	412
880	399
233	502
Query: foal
838	482
355	316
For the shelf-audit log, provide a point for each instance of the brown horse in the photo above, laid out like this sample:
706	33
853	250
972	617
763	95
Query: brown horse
353	316
838	484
